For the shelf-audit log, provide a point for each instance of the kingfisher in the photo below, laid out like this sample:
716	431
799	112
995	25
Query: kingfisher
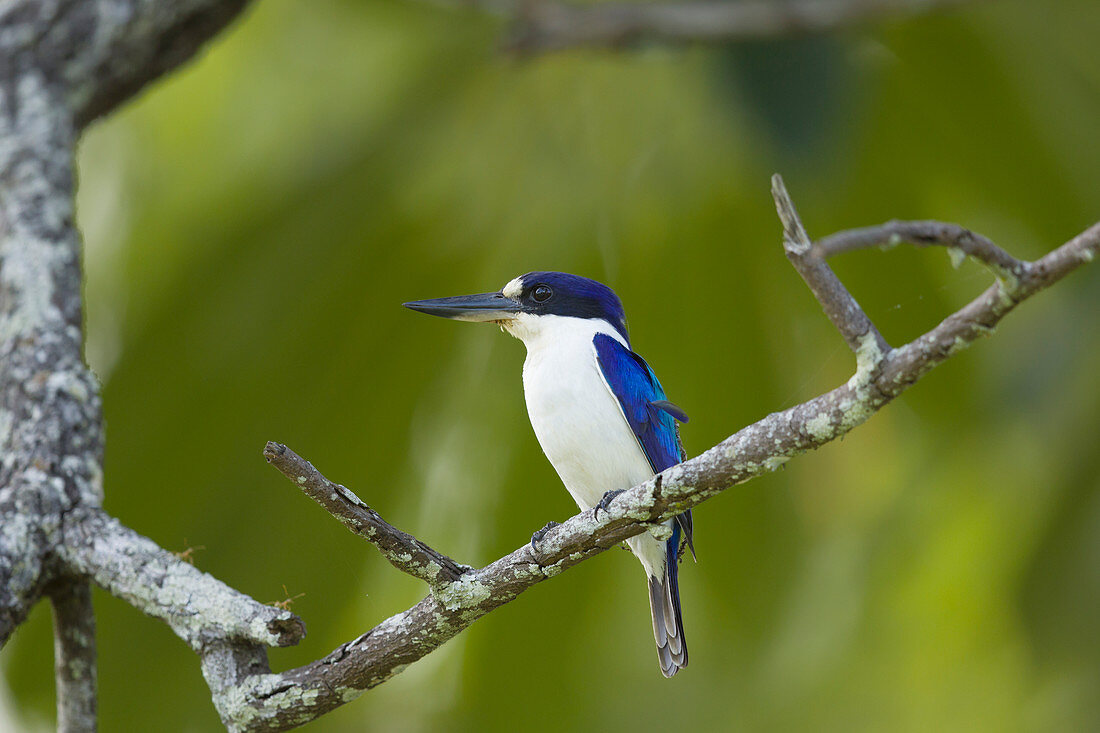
599	413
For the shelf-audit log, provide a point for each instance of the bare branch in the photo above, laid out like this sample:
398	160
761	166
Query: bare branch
839	305
404	552
541	26
1015	281
62	64
74	656
979	317
959	241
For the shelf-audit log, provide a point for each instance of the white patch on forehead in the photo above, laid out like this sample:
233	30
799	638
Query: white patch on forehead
513	289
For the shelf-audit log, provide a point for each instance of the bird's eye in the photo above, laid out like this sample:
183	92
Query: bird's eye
542	293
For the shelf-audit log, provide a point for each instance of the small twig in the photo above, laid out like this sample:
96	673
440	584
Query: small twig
1015	280
924	234
402	550
979	317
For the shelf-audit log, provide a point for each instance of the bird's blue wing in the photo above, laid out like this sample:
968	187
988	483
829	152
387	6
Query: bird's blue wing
642	400
650	415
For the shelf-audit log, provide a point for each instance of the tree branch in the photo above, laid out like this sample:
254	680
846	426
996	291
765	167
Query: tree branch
74	656
541	26
198	607
152	39
99	53
50	426
839	305
403	551
229	630
960	241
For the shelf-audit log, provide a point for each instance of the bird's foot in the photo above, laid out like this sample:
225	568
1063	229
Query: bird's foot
605	502
537	536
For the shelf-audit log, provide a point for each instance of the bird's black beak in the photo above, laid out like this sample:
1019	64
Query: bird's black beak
482	307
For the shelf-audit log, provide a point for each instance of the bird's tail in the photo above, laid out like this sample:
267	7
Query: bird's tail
664	605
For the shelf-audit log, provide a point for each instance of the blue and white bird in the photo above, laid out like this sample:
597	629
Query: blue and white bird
598	411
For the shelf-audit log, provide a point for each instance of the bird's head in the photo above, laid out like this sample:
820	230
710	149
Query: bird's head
533	304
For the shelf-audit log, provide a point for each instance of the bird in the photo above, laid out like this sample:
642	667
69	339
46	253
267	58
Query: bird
598	412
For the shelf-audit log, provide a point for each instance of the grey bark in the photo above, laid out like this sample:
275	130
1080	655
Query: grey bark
74	655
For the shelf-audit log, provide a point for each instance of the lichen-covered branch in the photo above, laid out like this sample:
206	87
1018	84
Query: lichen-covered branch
541	26
198	607
50	428
404	552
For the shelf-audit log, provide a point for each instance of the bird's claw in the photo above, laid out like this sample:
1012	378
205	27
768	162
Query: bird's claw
605	502
537	536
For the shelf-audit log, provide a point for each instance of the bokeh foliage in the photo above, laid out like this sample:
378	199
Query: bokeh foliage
253	223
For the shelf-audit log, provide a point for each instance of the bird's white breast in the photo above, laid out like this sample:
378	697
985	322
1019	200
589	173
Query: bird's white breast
577	420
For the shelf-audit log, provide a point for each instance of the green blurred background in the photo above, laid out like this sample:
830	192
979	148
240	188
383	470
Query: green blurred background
254	221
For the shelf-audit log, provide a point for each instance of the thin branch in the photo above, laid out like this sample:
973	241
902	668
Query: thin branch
958	240
542	26
839	305
404	552
979	317
74	656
